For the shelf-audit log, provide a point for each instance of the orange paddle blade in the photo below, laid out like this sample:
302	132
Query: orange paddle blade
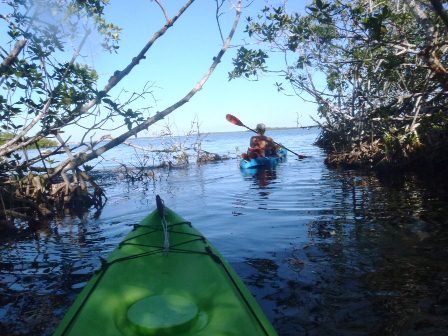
234	120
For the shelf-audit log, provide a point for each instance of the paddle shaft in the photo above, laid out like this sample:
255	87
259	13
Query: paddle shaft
300	156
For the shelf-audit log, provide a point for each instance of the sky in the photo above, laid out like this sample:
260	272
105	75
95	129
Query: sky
179	59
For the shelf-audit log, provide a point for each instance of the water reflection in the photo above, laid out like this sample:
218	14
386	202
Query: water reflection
262	177
325	252
373	264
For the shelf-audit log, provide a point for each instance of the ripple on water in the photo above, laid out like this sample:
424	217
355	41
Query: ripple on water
323	251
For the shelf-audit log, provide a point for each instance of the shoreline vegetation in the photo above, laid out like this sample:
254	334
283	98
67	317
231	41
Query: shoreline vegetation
381	99
377	72
47	86
281	128
42	143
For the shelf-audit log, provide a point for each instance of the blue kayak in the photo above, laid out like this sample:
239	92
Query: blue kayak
266	161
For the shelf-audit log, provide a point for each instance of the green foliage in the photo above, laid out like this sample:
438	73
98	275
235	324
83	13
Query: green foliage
248	63
43	143
375	24
383	74
130	116
29	82
4	137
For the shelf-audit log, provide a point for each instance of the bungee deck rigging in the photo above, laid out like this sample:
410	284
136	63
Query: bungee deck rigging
147	288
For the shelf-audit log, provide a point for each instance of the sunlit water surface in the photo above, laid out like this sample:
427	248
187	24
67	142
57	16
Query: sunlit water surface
325	252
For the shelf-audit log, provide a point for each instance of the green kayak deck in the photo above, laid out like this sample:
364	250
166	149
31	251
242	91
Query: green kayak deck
148	288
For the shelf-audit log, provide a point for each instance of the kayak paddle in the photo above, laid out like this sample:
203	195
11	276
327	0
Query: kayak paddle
234	120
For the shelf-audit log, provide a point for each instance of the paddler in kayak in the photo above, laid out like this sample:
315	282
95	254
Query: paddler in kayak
260	144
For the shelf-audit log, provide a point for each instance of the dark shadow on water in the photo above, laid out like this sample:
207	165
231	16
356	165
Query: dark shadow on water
375	262
262	176
360	253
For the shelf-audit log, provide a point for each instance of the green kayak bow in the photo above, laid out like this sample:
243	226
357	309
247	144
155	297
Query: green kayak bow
165	278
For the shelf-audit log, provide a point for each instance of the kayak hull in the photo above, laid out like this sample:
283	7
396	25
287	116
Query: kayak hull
267	161
146	289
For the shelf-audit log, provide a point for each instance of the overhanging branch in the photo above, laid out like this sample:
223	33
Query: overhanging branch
83	157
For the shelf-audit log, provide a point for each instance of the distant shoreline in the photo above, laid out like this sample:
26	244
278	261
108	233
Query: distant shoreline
288	128
269	129
222	132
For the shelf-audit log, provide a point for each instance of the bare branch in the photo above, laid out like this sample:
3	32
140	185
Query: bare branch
219	4
18	47
47	105
82	158
162	7
438	8
113	81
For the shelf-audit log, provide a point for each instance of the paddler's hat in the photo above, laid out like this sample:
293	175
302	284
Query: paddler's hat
261	128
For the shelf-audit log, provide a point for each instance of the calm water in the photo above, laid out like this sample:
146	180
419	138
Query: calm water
325	252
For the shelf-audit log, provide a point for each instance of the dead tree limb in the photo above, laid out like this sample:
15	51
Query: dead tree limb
83	157
48	103
113	81
430	51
